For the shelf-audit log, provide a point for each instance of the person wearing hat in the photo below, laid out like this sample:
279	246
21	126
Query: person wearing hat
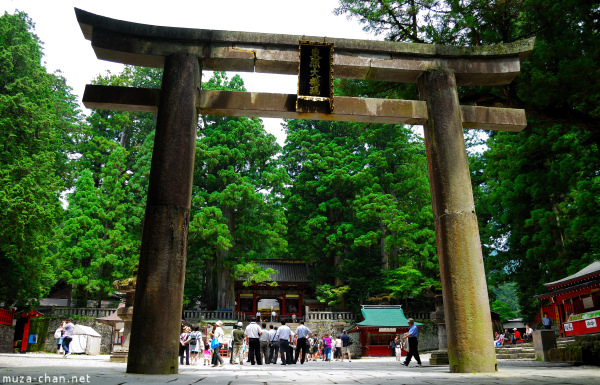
516	336
238	344
413	343
218	334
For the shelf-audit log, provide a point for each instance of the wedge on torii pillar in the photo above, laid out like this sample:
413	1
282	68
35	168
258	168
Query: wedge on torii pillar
183	53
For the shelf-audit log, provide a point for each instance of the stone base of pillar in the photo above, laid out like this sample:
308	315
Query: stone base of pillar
120	356
439	357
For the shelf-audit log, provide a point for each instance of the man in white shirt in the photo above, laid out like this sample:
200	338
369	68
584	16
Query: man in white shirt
301	344
253	333
273	315
284	333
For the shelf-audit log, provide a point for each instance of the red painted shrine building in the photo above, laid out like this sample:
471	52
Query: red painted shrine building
287	298
382	323
574	302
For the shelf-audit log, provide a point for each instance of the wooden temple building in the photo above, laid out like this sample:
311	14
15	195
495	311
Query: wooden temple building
382	323
287	298
573	302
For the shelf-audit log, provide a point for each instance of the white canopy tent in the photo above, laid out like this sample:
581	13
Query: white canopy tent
85	340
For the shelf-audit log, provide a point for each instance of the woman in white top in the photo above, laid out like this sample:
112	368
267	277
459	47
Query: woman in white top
338	348
218	334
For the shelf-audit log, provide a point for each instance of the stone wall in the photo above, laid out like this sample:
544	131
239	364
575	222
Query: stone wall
7	337
104	330
428	336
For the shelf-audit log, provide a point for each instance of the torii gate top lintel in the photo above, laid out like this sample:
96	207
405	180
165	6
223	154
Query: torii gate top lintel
148	45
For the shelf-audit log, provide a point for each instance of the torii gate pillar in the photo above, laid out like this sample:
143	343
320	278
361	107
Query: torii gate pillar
161	275
459	248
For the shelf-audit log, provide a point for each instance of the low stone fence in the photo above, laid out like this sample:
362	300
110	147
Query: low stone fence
193	316
419	316
78	311
330	315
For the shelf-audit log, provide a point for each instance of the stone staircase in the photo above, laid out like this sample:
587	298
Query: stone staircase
514	352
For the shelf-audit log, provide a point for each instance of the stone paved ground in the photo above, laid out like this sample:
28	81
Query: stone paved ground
365	371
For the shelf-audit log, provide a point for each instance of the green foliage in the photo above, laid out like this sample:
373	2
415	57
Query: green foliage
252	274
360	209
38	120
505	311
331	295
97	242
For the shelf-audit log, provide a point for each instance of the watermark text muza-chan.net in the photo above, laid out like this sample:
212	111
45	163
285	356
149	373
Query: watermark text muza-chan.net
46	379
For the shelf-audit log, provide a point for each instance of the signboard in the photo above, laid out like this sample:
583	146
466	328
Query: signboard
584	323
315	77
387	330
590	323
584	316
569	327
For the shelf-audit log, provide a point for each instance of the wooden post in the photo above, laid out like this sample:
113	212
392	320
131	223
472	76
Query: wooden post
159	290
464	288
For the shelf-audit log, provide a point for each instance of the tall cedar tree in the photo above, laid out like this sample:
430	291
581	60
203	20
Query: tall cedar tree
38	119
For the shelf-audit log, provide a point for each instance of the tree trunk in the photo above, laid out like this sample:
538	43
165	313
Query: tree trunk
225	291
211	288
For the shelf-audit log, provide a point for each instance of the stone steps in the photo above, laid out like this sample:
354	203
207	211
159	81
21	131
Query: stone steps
515	356
515	352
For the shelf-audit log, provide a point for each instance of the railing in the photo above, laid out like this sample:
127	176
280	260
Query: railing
424	315
330	315
212	315
6	317
81	311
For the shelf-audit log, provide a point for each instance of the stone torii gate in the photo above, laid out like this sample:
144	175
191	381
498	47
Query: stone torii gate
184	53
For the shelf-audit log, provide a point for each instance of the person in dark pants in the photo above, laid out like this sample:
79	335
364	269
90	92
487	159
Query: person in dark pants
184	346
273	345
301	343
253	333
413	343
68	337
264	345
284	333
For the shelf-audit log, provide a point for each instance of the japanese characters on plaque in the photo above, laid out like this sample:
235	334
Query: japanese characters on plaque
315	77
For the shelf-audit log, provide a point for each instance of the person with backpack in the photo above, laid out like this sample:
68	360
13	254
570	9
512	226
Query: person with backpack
196	344
346	342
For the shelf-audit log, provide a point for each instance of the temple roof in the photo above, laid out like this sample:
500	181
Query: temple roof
113	318
587	272
384	316
287	271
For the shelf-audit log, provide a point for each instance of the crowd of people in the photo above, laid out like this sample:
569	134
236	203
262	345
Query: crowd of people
260	345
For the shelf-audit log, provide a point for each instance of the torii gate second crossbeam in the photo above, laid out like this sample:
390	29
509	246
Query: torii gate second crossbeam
183	53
